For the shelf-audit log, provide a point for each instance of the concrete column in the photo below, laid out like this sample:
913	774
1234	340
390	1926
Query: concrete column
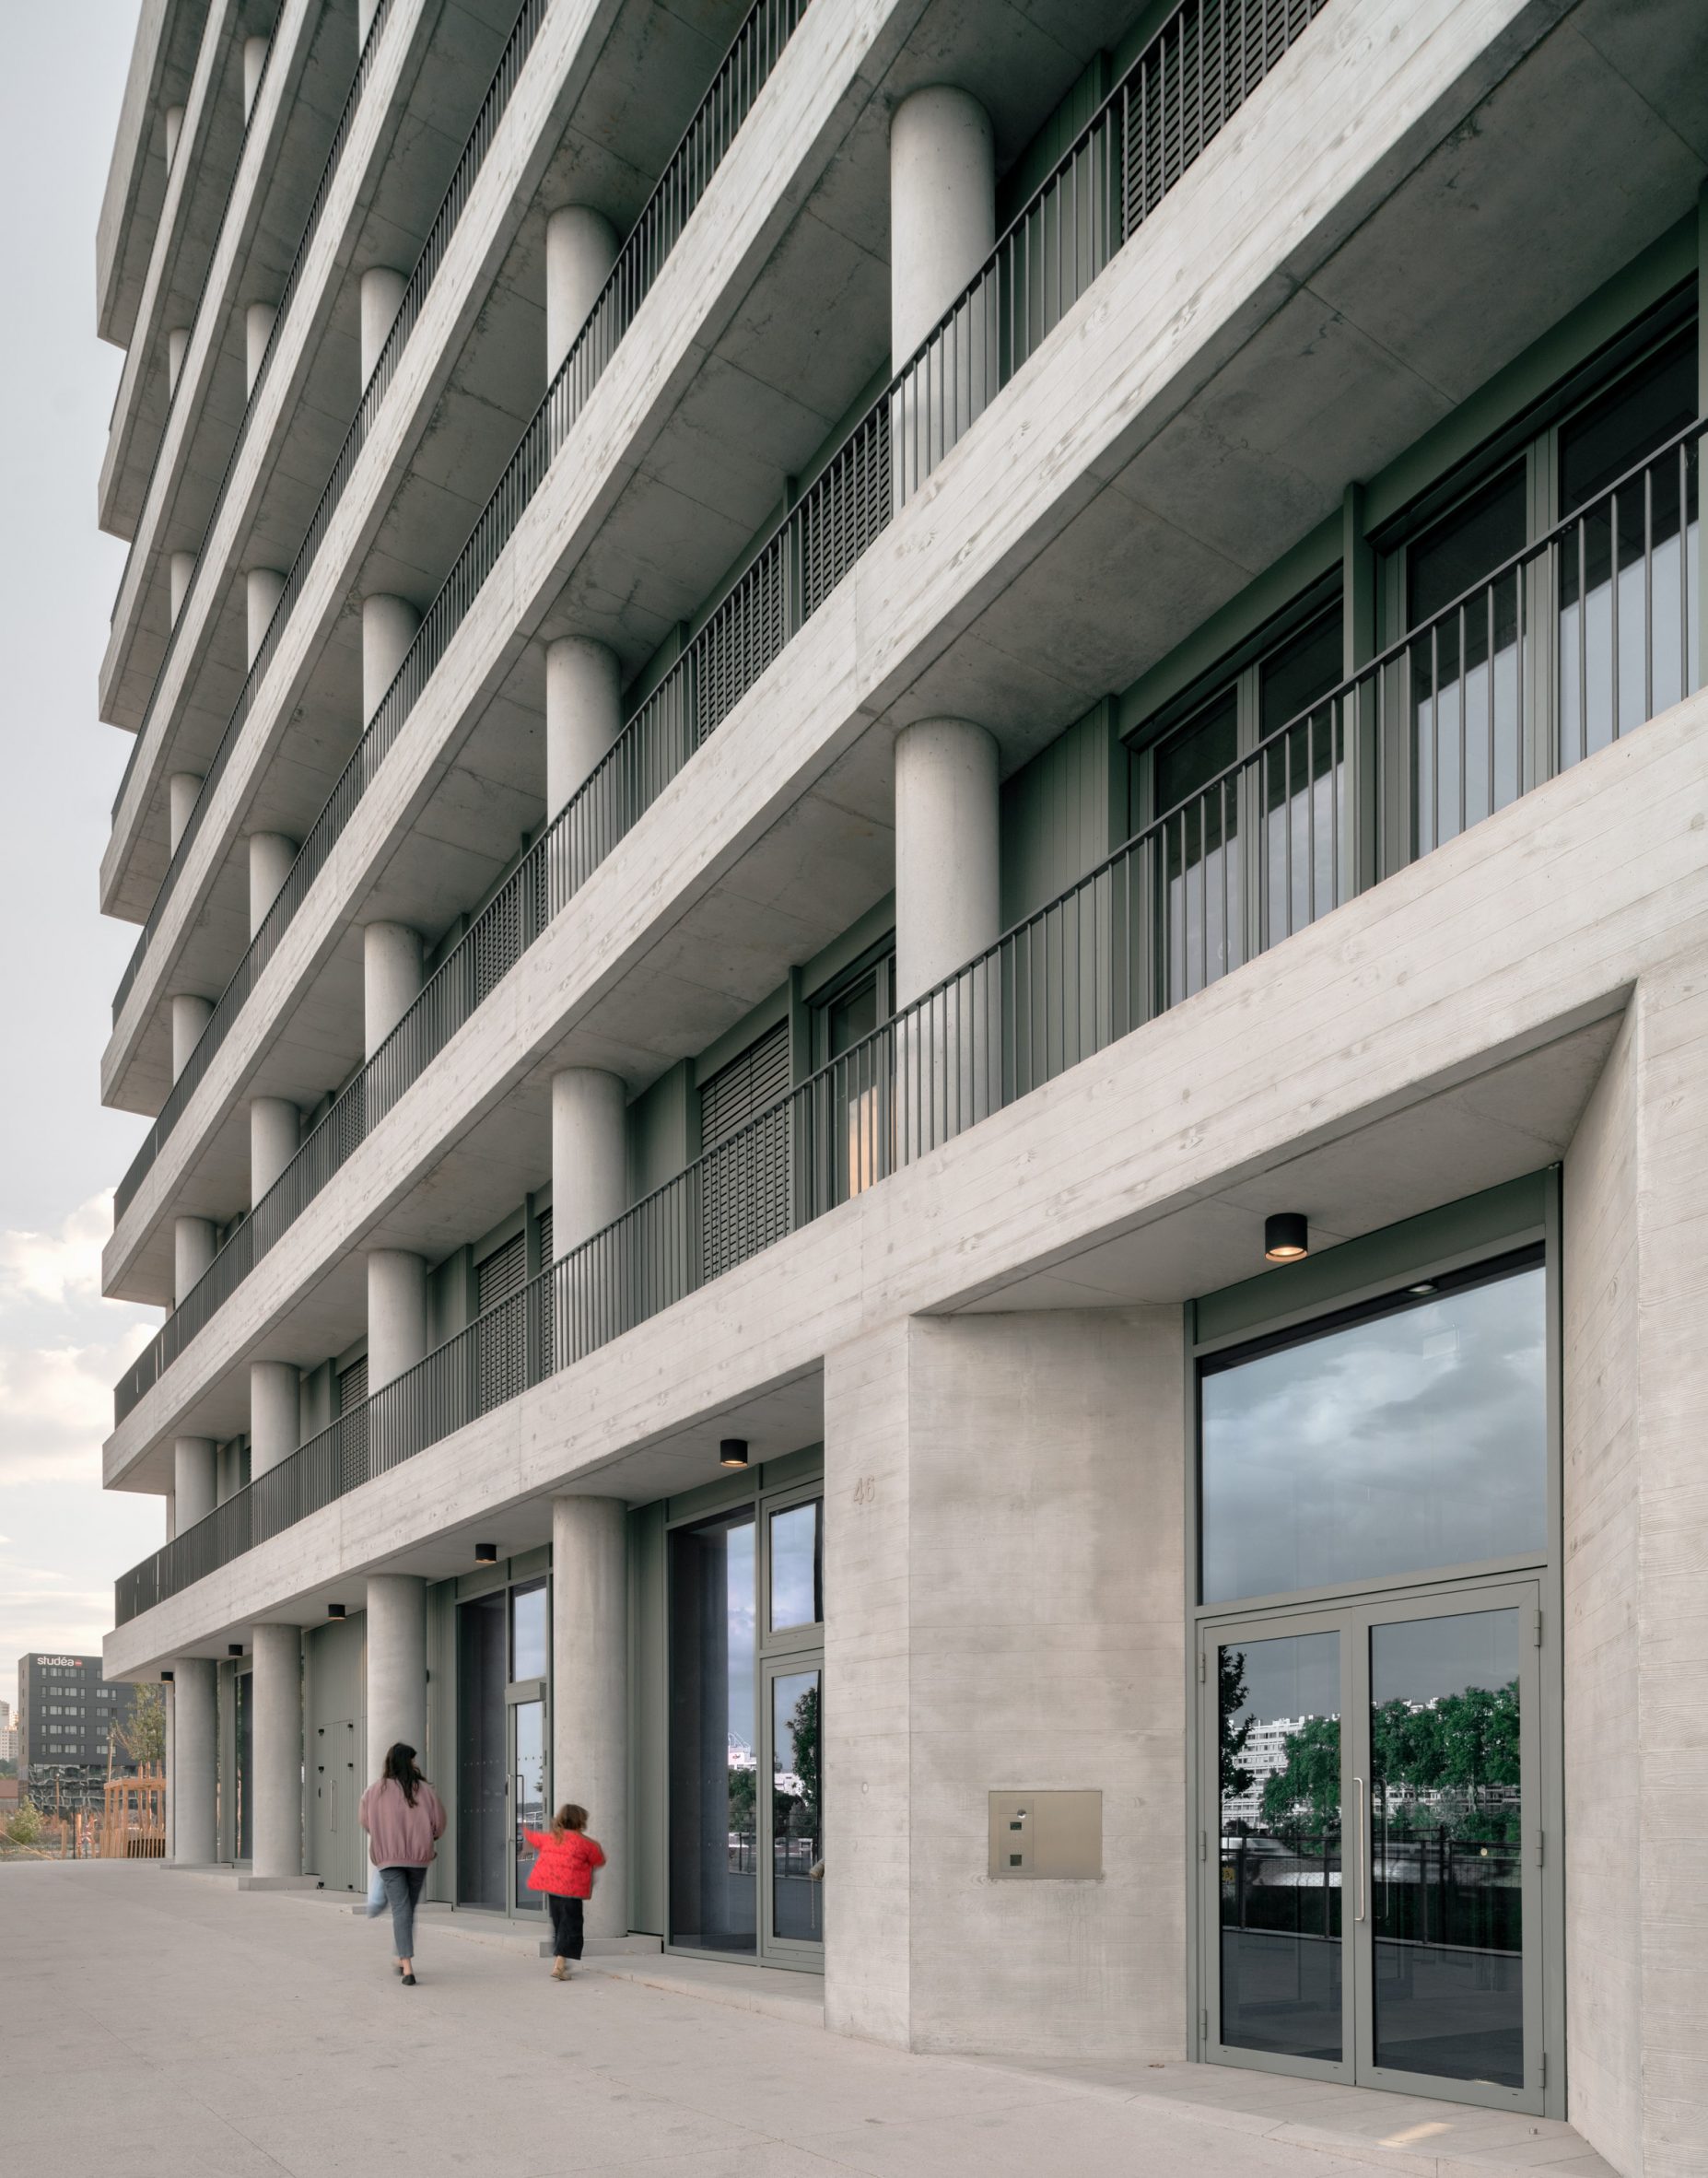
254	61
193	1251
263	587
390	979
382	296
1023	1474
169	1501
182	789
189	1015
192	1478
948	875
365	11
276	1756
583	713
270	858
192	1788
943	207
177	348
590	1154
590	1686
259	320
397	1314
274	1414
274	1137
580	249
174	131
179	573
388	625
396	1666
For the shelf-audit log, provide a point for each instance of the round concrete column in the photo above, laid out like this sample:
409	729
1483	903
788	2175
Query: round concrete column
590	1686
263	587
396	1666
193	1251
390	979
274	1137
193	1486
174	129
590	1154
180	571
274	1414
182	789
943	207
388	625
276	1756
259	320
170	1500
580	249
382	294
270	858
193	1787
177	348
948	890
190	1017
397	1314
583	713
254	61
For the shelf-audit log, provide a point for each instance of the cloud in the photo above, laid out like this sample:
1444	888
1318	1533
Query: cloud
61	1269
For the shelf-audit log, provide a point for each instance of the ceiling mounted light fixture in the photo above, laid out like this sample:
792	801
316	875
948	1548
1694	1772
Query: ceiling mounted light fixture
1286	1236
234	1648
334	1611
166	1678
1425	1285
733	1452
485	1553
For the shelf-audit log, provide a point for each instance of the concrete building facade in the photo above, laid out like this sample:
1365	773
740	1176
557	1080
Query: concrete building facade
919	814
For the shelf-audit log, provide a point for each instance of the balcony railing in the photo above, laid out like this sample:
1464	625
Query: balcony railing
1102	187
341	136
1566	646
516	51
741	76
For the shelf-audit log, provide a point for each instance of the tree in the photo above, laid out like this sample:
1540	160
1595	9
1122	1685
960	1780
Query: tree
1435	1764
24	1827
1230	1690
143	1733
743	1799
1305	1793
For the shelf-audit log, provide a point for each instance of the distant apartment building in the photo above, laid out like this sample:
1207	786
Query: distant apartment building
917	814
69	1719
8	1734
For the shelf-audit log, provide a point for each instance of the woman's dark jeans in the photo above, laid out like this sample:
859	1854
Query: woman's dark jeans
403	1894
566	1926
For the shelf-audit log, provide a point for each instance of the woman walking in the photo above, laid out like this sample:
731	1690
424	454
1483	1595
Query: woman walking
402	1814
564	1871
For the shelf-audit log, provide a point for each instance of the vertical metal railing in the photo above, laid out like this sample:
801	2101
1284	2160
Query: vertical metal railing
1271	844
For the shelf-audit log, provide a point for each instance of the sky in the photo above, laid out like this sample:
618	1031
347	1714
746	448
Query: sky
61	1538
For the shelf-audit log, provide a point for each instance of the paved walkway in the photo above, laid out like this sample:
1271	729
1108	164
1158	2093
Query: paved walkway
162	2025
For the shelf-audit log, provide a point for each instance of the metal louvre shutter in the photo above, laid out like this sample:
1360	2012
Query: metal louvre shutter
352	1441
545	1224
501	1351
745	1159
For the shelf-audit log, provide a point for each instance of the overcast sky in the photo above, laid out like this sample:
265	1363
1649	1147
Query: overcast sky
61	1538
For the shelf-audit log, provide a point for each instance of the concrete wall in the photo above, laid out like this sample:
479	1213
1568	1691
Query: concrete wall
1004	1535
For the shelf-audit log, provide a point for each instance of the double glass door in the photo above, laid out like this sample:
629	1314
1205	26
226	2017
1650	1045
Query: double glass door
1374	1844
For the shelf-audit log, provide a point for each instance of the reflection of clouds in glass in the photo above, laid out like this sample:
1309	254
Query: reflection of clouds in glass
794	1536
1422	1659
1297	1675
1415	1440
742	1608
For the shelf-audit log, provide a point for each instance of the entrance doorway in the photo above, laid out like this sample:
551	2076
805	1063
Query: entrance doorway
503	1745
1374	1773
335	1838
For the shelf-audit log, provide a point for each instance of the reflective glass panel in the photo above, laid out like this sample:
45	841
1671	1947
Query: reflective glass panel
1446	1811
1303	780
528	1794
1203	892
481	1757
796	1567
1278	1750
530	1655
713	1736
796	1727
1409	1439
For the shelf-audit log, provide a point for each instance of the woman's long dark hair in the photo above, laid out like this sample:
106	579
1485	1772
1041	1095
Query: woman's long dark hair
400	1767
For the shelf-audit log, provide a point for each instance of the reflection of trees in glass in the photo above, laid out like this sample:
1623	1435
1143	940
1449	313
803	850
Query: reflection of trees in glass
795	1814
743	1798
1440	1765
1235	1729
1305	1793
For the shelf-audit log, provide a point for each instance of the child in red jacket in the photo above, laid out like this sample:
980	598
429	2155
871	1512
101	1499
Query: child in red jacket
564	1871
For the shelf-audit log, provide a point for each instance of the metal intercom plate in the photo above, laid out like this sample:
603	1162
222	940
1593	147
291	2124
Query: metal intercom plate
1046	1836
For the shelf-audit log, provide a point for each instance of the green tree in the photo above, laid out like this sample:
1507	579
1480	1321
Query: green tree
1233	1728
24	1826
143	1734
1305	1793
743	1799
1438	1764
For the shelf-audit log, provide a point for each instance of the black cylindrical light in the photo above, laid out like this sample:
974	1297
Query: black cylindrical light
334	1611
234	1648
485	1553
1286	1236
733	1452
166	1678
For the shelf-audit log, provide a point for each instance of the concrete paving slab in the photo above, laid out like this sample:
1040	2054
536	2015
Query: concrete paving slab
176	2026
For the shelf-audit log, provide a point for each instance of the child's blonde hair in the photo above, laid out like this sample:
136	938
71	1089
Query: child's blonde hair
570	1817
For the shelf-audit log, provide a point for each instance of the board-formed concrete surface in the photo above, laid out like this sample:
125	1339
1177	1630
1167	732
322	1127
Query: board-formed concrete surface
160	2022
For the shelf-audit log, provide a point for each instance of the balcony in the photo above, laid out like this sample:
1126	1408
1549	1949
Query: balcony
1558	655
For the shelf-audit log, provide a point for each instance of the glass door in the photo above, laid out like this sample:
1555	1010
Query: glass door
791	1831
1375	1910
528	1789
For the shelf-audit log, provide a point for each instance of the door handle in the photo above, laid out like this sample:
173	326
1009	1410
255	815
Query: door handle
1360	1852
